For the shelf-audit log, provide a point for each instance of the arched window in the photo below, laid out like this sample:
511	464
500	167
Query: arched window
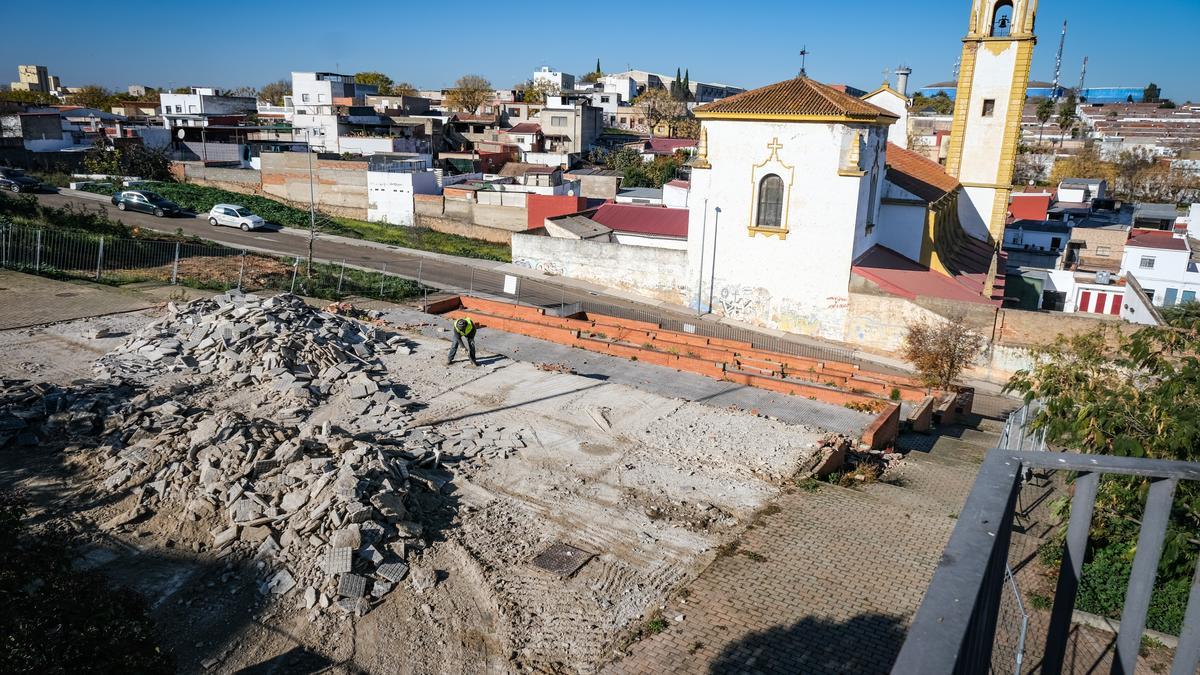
1002	18
770	202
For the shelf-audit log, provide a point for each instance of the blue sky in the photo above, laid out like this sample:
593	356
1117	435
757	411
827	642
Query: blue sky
228	44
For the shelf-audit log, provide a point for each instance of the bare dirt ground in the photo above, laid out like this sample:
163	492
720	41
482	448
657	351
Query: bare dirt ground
650	486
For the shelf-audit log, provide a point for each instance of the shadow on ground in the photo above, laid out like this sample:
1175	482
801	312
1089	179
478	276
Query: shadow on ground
867	643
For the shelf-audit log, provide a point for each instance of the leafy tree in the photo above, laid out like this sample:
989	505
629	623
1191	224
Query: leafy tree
469	92
1151	93
29	97
1136	395
941	351
1086	163
243	91
940	103
181	90
1066	116
593	76
536	91
686	127
370	77
687	86
677	86
658	106
404	89
1045	110
93	96
131	160
274	92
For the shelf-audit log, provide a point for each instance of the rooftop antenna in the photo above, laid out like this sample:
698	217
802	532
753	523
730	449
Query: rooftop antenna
803	60
1062	40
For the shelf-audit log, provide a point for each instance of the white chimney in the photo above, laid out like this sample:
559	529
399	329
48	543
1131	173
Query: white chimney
902	74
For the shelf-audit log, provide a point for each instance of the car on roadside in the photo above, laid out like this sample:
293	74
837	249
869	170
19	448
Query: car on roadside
232	215
17	180
146	202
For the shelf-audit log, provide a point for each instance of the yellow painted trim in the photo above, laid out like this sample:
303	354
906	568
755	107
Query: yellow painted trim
994	186
780	232
962	105
885	87
882	119
851	173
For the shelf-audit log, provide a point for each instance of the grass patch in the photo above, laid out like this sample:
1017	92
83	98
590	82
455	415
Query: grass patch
655	626
808	484
1039	601
201	198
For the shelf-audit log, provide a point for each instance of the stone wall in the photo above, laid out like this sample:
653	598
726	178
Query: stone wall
243	181
468	219
654	273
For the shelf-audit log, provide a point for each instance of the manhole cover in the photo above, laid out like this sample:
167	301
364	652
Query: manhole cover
66	294
562	559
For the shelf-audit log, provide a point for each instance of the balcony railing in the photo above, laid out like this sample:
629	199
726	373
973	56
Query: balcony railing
954	630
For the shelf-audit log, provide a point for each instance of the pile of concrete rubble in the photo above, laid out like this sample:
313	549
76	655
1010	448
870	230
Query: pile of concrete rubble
840	453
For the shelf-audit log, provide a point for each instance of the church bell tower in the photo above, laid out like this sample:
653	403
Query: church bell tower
996	56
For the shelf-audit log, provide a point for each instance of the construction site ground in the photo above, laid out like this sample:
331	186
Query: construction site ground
658	474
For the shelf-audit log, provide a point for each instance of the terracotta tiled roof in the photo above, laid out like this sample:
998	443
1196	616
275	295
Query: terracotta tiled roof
900	276
923	177
524	128
639	219
1161	239
791	98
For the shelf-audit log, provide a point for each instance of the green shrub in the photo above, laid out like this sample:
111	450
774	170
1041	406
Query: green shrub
1105	579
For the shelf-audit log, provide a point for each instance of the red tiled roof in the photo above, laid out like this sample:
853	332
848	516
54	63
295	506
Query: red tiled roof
524	128
1163	239
643	219
666	146
919	175
900	276
796	97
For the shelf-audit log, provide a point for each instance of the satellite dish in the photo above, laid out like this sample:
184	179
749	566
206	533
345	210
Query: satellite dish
180	134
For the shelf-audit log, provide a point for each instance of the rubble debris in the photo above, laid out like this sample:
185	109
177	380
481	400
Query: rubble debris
837	454
556	368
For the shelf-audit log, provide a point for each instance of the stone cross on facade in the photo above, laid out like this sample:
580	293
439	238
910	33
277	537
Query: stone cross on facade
775	146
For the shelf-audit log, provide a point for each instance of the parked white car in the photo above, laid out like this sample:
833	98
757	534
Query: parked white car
232	215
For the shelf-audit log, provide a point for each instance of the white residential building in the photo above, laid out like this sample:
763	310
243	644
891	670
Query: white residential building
622	85
194	108
559	80
1162	262
315	97
392	182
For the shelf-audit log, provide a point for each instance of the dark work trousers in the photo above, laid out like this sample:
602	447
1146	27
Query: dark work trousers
469	340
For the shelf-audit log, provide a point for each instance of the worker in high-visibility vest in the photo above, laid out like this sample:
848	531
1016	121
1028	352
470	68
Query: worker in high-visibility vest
464	331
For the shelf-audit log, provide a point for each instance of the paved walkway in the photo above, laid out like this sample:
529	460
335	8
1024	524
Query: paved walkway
29	300
826	581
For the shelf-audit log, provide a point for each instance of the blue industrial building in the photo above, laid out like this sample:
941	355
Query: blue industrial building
1046	90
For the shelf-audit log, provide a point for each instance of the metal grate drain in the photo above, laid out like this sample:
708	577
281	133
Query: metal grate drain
562	559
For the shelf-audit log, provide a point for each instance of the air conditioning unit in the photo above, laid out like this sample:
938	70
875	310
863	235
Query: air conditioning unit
1104	277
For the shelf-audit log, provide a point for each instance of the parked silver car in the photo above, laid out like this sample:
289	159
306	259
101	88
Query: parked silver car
232	215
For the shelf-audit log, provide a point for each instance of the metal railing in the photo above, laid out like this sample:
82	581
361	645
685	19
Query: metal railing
954	630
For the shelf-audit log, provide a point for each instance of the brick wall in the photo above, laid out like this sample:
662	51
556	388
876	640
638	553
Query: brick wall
541	207
340	186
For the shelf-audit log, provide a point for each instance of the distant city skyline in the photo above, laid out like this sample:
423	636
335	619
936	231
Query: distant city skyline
749	47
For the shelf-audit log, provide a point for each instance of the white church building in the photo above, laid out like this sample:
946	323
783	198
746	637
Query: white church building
800	194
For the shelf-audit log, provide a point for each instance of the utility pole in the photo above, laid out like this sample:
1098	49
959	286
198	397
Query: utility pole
312	204
1062	41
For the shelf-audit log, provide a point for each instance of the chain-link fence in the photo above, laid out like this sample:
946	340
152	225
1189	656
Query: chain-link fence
117	260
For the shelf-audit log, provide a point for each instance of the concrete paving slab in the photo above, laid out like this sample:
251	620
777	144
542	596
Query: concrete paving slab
29	300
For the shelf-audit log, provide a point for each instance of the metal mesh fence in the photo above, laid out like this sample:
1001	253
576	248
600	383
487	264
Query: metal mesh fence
116	260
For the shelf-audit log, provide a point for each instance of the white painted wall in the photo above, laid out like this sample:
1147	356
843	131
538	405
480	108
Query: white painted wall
898	105
1172	270
1135	310
799	284
390	195
641	270
1192	220
1033	240
626	87
674	196
901	227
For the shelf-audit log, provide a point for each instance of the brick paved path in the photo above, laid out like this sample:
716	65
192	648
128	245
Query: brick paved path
843	574
827	583
28	300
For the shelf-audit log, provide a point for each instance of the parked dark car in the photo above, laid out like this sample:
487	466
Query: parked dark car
146	201
18	181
